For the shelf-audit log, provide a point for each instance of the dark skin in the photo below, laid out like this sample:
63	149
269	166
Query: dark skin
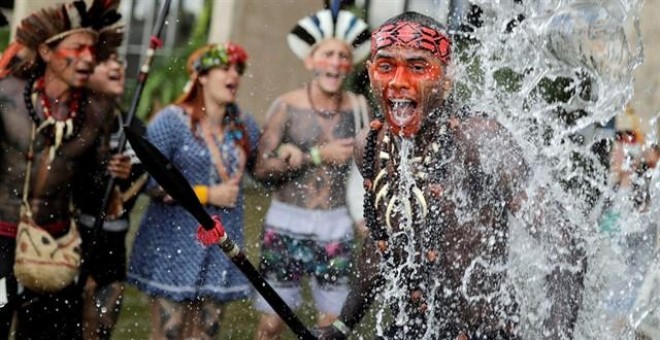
51	203
460	245
63	71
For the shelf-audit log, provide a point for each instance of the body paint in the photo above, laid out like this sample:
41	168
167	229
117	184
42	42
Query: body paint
75	53
399	78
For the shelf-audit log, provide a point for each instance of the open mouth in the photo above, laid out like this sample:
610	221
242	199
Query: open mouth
402	110
84	72
232	87
114	76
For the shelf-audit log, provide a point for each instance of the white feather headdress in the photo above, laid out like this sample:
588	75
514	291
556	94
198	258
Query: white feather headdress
324	24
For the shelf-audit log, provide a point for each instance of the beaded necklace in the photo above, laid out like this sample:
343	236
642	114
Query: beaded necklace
56	131
323	113
380	188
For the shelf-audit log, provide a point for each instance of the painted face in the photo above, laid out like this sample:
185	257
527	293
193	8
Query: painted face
108	77
331	63
72	60
221	83
409	84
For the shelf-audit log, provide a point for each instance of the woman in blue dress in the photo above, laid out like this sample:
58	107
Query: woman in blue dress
213	143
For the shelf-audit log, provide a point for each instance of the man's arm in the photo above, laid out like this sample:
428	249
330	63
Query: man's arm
277	161
547	221
564	284
366	285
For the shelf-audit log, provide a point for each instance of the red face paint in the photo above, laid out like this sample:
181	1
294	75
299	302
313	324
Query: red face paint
75	52
407	73
408	83
344	66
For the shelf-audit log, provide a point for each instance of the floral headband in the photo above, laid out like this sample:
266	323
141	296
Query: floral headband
221	55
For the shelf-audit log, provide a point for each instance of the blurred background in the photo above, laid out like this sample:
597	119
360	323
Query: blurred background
261	27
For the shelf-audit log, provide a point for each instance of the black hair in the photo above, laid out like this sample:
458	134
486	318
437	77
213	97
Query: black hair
419	18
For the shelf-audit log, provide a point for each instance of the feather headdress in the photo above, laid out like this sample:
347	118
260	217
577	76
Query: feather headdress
330	24
52	24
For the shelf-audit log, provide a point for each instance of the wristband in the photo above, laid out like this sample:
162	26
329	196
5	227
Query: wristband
341	327
315	154
202	193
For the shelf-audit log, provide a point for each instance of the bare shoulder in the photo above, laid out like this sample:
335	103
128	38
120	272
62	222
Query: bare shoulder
11	89
97	109
297	98
481	125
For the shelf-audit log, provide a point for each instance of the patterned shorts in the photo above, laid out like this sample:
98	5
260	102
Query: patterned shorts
317	244
286	259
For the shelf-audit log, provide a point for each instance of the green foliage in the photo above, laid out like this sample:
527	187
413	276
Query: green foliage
4	38
168	74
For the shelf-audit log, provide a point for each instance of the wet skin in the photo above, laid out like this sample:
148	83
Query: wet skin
408	83
451	262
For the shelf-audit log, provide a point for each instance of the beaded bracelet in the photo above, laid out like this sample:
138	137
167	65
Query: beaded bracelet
315	154
202	193
341	327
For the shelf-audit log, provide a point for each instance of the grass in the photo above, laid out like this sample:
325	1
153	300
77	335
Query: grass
240	319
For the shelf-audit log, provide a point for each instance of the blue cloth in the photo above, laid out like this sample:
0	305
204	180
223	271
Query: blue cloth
166	260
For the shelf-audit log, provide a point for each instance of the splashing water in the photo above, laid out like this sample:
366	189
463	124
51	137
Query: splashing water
566	67
550	78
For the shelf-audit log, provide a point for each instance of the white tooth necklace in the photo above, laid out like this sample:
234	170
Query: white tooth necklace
57	131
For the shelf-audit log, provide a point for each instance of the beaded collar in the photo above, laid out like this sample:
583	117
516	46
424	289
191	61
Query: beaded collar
382	187
56	131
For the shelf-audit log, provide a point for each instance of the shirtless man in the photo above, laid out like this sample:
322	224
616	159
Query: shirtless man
43	75
439	194
306	152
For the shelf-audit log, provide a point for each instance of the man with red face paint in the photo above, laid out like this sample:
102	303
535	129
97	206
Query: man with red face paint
50	126
437	204
306	153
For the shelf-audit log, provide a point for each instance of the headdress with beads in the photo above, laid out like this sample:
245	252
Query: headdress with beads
330	24
50	25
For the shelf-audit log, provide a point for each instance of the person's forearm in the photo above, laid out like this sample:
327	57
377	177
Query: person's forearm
368	281
271	169
566	284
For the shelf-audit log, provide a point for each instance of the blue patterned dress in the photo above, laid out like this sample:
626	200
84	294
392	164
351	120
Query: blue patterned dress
166	260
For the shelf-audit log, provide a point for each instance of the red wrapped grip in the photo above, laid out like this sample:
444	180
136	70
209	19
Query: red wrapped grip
213	236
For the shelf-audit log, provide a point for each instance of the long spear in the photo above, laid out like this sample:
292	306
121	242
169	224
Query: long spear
169	177
154	43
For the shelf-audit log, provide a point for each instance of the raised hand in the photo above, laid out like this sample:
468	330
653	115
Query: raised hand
225	194
119	166
338	151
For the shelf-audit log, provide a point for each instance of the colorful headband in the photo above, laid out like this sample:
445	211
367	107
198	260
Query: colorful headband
327	24
221	55
415	35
